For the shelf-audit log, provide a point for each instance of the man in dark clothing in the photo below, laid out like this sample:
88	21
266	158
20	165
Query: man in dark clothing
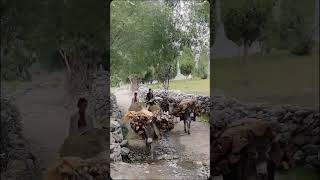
149	95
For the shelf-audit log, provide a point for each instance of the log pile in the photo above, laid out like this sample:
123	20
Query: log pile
78	168
183	105
138	119
83	157
165	122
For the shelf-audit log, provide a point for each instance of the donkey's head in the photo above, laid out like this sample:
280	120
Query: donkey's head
258	155
149	131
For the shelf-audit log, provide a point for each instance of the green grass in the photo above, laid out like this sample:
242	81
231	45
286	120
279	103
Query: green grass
278	78
203	118
300	173
194	86
125	132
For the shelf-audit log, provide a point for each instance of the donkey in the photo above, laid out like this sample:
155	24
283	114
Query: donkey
151	133
187	117
255	162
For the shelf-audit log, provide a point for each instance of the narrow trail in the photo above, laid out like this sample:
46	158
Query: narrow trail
45	120
178	155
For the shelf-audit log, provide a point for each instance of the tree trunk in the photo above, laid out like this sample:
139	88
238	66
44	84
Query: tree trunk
134	83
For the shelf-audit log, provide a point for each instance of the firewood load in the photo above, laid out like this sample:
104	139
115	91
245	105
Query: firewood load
79	169
139	119
183	105
227	146
83	157
165	122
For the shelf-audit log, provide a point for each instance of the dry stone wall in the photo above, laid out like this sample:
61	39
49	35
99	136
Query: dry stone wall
297	126
17	161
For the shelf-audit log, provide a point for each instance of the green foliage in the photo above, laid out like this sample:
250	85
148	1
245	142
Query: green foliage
166	71
186	61
202	69
115	81
243	19
149	75
296	25
142	36
17	25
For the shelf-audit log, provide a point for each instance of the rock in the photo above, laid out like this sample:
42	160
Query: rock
124	143
288	116
316	131
118	137
299	140
114	125
124	151
311	149
298	156
111	139
314	160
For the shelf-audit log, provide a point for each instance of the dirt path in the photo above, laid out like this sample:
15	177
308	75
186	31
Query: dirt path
45	120
178	155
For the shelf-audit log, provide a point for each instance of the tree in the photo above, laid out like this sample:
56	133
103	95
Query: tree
202	69
17	24
143	35
296	25
186	62
243	20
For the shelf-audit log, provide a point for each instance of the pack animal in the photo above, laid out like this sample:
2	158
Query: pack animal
187	117
255	162
152	134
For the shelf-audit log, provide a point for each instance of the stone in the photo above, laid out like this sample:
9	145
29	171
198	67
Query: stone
124	151
299	156
288	116
314	160
311	149
316	131
117	137
114	125
299	140
124	143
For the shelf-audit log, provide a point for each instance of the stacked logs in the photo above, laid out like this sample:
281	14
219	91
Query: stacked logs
165	122
138	119
78	168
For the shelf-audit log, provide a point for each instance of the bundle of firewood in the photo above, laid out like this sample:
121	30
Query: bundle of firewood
165	122
138	123
80	169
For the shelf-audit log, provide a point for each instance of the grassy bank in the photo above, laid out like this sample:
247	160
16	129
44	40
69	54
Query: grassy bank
194	86
278	78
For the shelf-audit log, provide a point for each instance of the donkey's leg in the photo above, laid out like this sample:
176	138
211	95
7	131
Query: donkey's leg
185	130
189	123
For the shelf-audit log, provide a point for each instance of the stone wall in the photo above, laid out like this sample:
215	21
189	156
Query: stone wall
297	126
17	161
100	101
118	145
204	101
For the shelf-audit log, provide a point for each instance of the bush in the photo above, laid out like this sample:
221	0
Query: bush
301	47
115	81
202	69
186	62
